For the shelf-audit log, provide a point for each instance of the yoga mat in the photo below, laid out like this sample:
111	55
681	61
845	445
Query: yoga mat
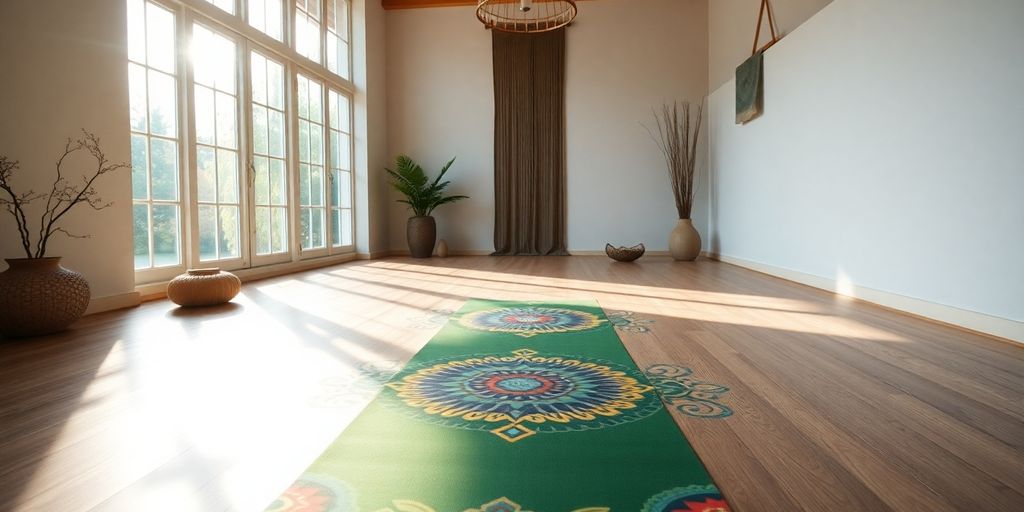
512	407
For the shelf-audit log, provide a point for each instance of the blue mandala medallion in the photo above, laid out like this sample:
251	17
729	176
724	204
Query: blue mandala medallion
516	396
527	321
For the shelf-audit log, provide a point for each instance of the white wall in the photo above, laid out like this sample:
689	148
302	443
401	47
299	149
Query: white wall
889	158
623	58
731	25
64	70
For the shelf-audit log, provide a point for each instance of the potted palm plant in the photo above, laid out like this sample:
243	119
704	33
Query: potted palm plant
422	196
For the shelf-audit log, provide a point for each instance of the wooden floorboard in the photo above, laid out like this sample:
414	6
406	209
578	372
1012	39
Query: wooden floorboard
836	404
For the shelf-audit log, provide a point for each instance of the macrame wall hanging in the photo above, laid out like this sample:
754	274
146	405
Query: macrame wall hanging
750	74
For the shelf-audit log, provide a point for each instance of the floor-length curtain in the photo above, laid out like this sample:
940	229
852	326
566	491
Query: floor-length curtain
529	143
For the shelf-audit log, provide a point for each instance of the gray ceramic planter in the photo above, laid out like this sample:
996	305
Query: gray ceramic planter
421	233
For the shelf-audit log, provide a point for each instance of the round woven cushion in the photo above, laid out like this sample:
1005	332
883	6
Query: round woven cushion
203	287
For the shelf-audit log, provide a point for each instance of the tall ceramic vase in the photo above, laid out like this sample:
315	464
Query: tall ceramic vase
684	242
421	233
38	296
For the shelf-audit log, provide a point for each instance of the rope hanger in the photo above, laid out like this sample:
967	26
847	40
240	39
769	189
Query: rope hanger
765	7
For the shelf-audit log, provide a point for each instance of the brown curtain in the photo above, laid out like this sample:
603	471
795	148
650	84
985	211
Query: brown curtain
529	143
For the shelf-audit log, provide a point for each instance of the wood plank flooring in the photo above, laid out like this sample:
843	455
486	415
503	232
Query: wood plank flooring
837	404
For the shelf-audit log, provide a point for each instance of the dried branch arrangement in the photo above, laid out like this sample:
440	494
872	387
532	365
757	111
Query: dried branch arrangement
64	195
677	136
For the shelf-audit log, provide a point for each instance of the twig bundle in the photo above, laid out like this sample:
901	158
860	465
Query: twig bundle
677	139
64	194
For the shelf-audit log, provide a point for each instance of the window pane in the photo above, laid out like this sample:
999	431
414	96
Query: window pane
206	174
316	186
335	188
336	227
207	232
304	179
278	185
159	38
346	227
265	16
206	125
165	235
258	68
163	114
137	31
140	235
227	176
263	242
345	153
317	227
279	229
345	189
304	227
226	5
164	163
137	97
303	95
140	168
261	181
260	135
276	135
316	144
229	230
307	30
226	121
337	17
303	141
213	58
316	113
275	85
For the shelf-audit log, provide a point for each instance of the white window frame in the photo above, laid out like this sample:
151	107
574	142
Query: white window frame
247	39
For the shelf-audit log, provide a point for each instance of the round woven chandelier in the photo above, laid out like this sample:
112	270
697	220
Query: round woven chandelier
526	16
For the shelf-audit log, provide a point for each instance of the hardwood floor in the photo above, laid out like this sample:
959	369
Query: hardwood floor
837	405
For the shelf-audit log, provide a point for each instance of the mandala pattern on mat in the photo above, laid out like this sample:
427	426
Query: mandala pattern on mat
359	386
519	395
694	498
528	321
498	505
315	493
627	321
689	396
431	319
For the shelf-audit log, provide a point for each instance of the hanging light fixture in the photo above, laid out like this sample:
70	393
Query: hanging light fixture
526	16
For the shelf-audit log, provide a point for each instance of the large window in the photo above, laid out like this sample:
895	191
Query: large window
155	139
241	144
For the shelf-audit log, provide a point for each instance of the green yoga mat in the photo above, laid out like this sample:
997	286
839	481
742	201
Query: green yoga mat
512	407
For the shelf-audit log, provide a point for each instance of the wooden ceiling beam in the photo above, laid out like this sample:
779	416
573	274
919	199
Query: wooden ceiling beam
417	4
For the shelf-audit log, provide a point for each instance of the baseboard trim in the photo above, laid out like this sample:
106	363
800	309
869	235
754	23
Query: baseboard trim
1003	328
602	253
112	302
396	253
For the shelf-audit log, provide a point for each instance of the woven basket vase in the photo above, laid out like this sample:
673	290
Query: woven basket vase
38	296
203	287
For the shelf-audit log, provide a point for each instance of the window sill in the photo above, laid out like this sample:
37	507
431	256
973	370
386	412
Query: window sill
158	290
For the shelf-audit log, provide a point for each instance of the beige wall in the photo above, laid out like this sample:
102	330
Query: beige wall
731	26
623	58
65	69
369	57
